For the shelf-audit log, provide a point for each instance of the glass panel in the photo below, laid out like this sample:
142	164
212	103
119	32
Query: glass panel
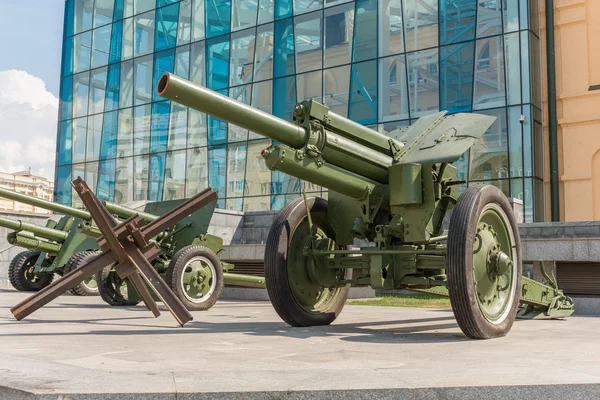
261	203
62	189
339	24
141	129
78	171
166	27
308	32
141	6
81	92
156	177
242	57
391	40
197	171
65	142
67	60
489	17
84	10
198	20
217	63
303	6
513	68
242	94
126	91
125	135
116	42
218	17
363	92
264	53
112	88
217	163
182	61
527	142
516	188
118	13
106	180
284	48
127	50
262	98
258	176
538	153
104	12
69	18
536	71
489	156
284	91
128	8
91	175
197	129
423	82
243	14
389	128
457	21
525	72
79	139
160	126
108	144
98	90
265	11
528	200
337	82
163	62
124	180
310	86
184	32
515	141
236	169
511	16
489	74
234	204
278	202
141	177
144	33
177	127
282	183
457	77
66	98
283	9
198	64
462	166
175	175
143	79
421	24
365	30
94	136
101	48
82	51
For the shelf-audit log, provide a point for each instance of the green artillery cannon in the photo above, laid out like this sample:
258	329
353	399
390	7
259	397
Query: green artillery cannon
393	194
189	260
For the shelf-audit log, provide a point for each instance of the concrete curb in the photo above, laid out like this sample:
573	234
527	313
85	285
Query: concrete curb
547	392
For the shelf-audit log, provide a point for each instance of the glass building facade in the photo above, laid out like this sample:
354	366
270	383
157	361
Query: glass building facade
383	63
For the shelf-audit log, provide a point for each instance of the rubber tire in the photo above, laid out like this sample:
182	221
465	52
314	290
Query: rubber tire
459	260
17	277
77	260
107	292
276	273
176	268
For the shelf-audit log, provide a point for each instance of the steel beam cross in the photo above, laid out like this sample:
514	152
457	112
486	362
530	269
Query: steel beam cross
129	248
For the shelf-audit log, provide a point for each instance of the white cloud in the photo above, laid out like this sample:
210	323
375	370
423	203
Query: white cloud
28	122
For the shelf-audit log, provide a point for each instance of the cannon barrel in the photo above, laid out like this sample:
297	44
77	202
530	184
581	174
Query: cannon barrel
341	142
45	204
41	231
33	243
125	212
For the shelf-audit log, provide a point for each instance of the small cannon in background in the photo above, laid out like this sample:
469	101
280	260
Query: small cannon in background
62	246
392	194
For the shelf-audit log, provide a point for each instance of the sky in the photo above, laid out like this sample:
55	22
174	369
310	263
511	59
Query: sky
30	57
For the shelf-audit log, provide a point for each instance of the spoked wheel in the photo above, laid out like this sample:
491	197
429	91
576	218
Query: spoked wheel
113	289
294	283
89	287
21	275
484	263
195	275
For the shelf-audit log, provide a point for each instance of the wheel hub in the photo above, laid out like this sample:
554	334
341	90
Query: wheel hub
197	280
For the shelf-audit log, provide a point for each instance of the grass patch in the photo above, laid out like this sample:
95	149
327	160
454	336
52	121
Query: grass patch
419	300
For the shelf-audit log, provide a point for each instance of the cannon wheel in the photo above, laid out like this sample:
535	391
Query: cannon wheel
21	276
484	263
195	275
113	289
298	300
89	287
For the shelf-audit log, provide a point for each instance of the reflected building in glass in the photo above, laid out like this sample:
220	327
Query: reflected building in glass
381	63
